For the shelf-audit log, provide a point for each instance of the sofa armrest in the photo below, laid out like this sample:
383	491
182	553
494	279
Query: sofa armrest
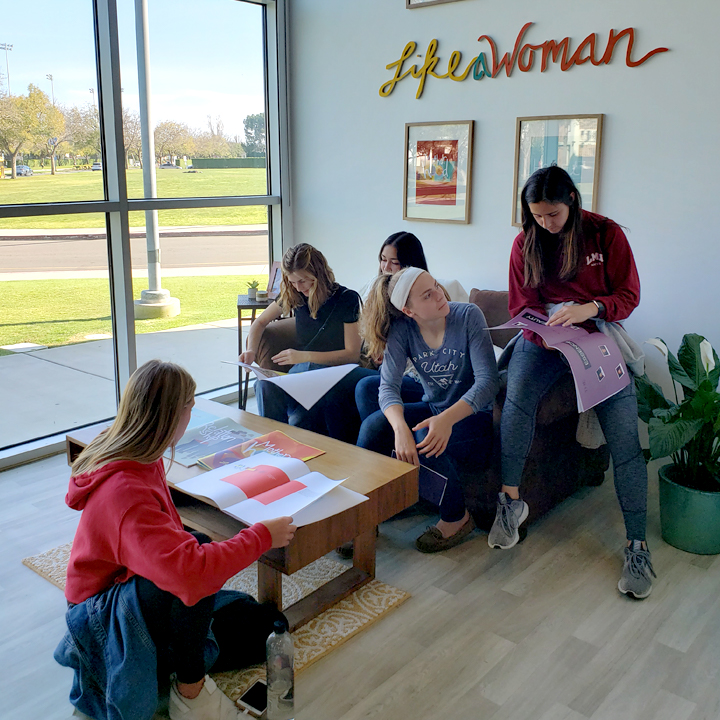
278	335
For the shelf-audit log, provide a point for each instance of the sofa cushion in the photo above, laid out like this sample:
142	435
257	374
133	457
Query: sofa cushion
494	304
278	335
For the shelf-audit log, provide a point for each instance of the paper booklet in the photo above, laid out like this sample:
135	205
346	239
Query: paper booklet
260	487
305	387
595	360
209	439
431	484
276	443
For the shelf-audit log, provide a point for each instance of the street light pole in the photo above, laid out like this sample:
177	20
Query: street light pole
52	88
6	47
92	92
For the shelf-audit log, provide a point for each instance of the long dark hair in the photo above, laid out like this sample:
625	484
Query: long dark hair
552	185
409	250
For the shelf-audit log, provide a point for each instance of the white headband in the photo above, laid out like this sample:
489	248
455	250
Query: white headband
401	291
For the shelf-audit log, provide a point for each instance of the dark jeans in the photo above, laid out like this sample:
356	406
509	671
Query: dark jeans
179	632
334	415
467	451
366	393
532	371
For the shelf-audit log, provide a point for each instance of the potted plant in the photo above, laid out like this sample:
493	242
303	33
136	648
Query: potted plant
687	430
253	285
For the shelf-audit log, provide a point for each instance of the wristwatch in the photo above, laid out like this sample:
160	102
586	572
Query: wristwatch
601	309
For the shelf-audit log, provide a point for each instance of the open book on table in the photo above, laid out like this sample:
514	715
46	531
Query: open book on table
595	360
209	439
264	486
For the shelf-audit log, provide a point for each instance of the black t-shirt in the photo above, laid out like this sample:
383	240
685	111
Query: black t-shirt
326	333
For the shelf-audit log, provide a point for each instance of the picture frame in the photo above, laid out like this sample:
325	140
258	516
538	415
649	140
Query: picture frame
274	279
438	171
571	141
412	4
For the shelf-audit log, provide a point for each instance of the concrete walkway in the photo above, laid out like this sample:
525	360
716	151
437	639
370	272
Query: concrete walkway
49	391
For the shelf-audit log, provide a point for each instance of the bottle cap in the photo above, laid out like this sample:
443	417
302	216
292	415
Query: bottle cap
280	627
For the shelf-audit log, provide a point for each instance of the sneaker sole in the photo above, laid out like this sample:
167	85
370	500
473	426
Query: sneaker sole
516	539
631	594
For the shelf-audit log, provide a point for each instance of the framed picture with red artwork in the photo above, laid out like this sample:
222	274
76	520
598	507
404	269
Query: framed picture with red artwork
438	165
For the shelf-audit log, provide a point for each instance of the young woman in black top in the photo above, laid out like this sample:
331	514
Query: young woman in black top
326	317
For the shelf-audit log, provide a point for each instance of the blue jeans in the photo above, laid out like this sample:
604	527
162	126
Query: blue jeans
467	451
532	371
366	393
334	415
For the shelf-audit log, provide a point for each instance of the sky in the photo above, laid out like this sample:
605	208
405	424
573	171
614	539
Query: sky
205	56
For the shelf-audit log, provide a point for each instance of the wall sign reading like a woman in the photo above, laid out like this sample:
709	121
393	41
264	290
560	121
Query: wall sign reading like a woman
524	55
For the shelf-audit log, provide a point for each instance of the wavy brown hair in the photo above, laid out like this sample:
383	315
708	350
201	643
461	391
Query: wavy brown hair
148	416
307	259
378	314
552	185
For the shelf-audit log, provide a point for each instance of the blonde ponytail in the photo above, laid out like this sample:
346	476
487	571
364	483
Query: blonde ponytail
378	314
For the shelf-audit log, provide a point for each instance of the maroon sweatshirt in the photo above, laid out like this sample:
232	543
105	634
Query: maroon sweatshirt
608	274
130	526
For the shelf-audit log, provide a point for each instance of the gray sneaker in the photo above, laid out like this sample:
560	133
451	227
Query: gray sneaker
637	569
508	518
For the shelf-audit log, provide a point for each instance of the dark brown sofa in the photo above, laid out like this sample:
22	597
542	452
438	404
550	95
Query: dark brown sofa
557	465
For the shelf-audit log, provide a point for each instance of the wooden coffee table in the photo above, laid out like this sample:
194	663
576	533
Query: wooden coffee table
390	485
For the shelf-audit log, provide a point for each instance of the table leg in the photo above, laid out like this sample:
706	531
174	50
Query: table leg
364	552
269	585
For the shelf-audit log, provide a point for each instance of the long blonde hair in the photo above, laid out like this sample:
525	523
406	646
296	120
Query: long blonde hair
378	314
307	259
147	418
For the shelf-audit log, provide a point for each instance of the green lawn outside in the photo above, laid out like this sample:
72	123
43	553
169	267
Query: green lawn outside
61	312
72	185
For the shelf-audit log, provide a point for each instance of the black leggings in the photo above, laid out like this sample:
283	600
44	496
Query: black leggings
179	632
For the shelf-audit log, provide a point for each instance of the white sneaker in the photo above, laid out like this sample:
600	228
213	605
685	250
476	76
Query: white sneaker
210	704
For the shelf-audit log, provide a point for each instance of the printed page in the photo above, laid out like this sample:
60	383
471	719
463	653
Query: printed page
283	501
210	438
231	484
336	501
259	372
308	387
595	360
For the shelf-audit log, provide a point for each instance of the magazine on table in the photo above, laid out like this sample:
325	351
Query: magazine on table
209	439
276	443
260	487
597	366
304	387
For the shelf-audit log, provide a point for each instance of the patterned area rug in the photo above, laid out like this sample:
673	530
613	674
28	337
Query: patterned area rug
312	641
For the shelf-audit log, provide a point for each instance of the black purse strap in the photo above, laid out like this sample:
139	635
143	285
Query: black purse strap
327	320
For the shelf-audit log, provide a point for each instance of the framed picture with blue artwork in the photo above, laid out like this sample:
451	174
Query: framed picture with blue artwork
572	142
438	165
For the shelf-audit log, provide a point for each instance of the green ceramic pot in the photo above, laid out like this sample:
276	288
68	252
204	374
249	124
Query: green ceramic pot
689	519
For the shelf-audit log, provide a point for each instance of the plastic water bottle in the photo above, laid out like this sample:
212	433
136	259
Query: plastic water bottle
280	675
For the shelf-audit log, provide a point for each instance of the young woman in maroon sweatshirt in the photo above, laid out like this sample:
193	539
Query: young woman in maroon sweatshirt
568	255
135	572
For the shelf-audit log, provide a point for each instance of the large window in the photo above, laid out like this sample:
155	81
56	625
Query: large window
106	234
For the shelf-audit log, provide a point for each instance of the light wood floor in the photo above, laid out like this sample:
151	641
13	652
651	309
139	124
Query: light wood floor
539	632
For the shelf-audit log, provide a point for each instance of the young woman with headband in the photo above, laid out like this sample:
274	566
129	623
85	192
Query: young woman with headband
581	262
142	591
407	316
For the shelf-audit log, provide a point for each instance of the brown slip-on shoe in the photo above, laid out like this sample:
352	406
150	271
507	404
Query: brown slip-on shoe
432	540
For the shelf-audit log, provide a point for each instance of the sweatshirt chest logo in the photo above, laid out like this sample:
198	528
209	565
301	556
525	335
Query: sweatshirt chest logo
594	259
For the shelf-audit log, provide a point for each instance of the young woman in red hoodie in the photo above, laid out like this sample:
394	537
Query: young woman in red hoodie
135	573
580	265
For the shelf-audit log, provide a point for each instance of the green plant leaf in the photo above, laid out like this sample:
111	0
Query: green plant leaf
668	438
691	360
650	397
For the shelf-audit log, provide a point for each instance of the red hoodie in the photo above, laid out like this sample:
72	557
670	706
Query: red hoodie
608	274
129	526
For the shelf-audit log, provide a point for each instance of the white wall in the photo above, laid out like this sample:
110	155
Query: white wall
660	155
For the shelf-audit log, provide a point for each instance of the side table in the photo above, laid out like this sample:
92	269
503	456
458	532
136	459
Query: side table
245	303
